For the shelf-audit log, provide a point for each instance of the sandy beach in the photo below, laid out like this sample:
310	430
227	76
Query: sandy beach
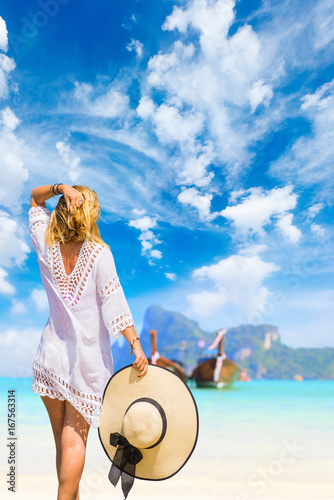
228	478
234	476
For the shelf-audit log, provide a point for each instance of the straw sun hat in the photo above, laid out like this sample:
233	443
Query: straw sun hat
148	426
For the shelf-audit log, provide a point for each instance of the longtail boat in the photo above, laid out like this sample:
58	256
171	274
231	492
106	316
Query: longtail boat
158	360
218	371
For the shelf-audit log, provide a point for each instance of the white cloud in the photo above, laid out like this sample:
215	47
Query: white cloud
12	151
256	210
194	170
202	203
321	98
252	249
7	65
323	21
235	284
290	232
146	245
211	19
70	160
40	299
136	139
147	237
100	101
313	211
146	107
171	276
8	119
18	307
318	230
137	46
143	224
5	287
309	161
111	105
205	304
315	308
173	126
83	91
18	349
129	23
138	211
3	35
259	93
13	250
156	254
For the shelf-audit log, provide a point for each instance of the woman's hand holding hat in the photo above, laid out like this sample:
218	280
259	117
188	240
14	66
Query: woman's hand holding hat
141	362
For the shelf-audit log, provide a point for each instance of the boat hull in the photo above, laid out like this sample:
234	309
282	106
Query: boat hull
206	374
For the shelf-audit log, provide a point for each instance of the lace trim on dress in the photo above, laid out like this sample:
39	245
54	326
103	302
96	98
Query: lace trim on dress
118	324
38	216
48	384
110	288
71	287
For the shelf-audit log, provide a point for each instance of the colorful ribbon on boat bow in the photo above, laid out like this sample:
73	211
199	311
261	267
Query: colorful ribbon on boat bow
126	455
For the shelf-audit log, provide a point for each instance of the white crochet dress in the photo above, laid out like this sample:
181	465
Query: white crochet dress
73	361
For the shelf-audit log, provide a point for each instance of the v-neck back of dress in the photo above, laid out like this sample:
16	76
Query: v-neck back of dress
71	286
62	258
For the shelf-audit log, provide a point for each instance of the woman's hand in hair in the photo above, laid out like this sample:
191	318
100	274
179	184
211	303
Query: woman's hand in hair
72	196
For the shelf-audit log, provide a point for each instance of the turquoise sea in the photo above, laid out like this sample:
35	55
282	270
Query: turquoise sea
258	439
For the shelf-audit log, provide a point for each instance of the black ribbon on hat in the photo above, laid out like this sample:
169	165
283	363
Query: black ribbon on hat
126	455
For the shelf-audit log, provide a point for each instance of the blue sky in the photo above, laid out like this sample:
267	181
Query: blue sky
206	128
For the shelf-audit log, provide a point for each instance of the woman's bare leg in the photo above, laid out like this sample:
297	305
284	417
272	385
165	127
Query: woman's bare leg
56	411
73	451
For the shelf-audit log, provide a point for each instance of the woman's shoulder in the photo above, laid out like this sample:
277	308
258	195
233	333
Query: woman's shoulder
38	217
101	251
38	211
97	244
103	257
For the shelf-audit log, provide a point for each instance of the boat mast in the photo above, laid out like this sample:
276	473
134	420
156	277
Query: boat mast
155	355
221	345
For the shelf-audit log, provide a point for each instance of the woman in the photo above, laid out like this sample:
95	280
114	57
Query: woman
73	362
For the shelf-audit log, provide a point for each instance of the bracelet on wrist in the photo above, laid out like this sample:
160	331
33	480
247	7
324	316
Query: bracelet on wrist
54	188
132	342
59	184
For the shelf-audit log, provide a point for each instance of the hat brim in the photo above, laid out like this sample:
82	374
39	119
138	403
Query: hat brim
178	403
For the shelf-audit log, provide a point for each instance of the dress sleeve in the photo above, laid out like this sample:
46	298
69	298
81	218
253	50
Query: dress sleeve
115	309
39	218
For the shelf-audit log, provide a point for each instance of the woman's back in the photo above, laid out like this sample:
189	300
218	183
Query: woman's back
70	253
87	306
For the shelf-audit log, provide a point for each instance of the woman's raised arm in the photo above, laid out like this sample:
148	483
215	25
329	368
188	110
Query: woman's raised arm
42	193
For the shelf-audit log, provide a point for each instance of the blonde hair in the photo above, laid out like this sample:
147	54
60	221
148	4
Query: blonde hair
77	224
